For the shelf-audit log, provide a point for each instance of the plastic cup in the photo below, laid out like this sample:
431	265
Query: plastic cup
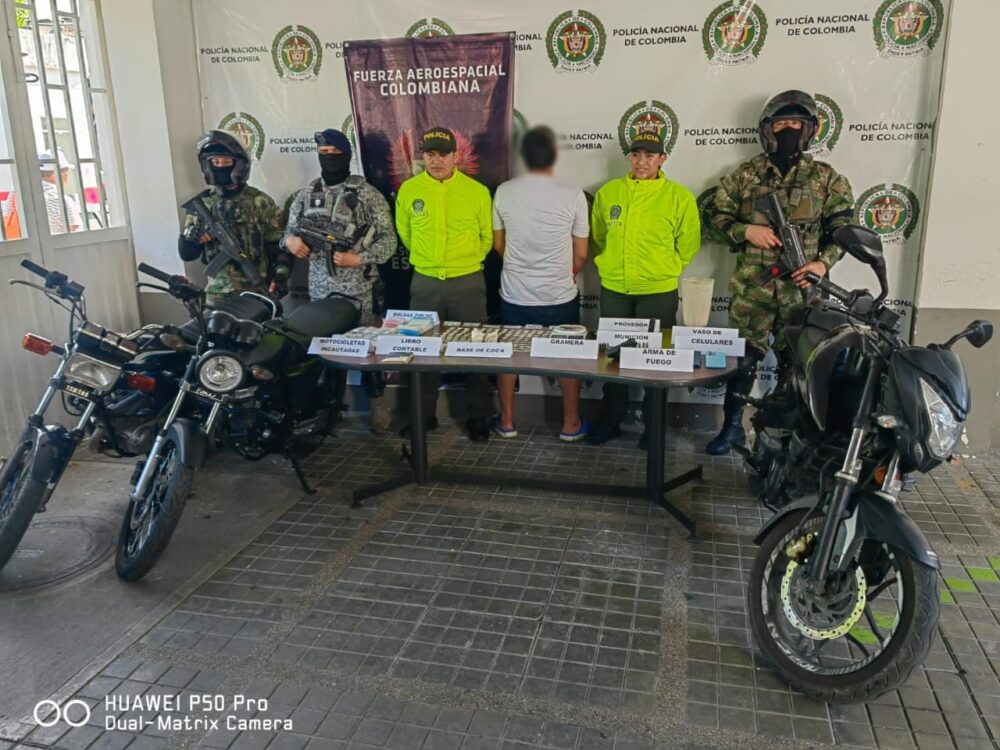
696	300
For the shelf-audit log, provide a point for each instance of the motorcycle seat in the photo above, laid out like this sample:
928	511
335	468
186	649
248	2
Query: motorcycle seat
324	317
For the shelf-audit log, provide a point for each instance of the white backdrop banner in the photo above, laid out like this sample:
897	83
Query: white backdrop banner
700	71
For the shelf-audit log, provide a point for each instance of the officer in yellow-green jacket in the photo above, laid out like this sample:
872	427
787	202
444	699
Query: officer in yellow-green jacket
445	221
644	230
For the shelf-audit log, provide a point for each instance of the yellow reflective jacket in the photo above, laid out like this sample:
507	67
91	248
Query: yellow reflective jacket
447	226
644	233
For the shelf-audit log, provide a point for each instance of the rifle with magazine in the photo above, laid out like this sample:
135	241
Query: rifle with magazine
793	255
229	248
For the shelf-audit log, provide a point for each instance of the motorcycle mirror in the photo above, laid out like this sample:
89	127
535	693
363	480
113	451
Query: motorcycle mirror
980	332
861	243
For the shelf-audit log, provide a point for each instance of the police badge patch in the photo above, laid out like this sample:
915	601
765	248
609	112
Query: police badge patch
616	211
892	210
297	53
907	28
648	116
576	42
734	33
248	129
418	206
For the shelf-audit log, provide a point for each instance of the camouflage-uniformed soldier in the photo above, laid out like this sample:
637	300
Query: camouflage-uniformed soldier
815	197
345	207
331	204
249	214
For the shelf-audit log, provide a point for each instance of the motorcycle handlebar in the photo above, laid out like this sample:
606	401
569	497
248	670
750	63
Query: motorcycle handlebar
177	285
59	282
34	268
156	273
830	288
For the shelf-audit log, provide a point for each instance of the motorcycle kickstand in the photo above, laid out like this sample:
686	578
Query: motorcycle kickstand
301	475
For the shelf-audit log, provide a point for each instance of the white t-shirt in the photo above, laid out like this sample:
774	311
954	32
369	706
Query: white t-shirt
541	215
53	206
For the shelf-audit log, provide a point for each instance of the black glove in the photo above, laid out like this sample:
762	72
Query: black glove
192	233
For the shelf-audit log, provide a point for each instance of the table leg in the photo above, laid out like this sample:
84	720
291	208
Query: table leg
656	447
417	457
656	485
418	435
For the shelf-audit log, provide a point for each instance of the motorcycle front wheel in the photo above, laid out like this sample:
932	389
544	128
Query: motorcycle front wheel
859	639
150	521
20	496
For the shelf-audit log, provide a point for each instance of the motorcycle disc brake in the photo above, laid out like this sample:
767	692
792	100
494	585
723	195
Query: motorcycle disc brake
837	621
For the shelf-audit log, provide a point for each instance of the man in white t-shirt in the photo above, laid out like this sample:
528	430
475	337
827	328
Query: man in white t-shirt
60	222
540	227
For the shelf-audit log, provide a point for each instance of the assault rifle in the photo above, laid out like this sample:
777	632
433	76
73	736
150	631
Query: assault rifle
322	238
229	248
793	254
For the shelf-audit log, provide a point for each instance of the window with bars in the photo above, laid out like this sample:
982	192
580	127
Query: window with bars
62	58
10	227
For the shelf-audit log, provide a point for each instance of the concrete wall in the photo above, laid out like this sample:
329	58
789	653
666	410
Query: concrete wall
153	60
960	271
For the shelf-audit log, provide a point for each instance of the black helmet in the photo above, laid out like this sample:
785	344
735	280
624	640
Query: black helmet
221	143
788	105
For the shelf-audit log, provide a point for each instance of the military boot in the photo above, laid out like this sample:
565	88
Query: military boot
737	388
732	432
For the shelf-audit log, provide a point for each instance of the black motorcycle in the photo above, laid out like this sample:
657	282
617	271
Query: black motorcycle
96	385
843	592
142	400
251	387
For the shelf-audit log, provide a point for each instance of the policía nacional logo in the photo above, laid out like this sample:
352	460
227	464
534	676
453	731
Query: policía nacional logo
347	128
650	116
615	213
904	28
734	33
418	206
831	124
891	210
428	28
575	42
297	53
248	129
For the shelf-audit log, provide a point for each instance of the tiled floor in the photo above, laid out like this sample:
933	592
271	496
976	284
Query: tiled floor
468	617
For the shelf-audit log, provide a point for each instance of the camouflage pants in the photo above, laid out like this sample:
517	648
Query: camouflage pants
758	311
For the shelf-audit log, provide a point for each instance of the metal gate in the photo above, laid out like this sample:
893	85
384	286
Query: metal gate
56	119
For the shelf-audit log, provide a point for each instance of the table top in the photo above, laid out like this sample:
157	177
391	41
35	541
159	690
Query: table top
522	363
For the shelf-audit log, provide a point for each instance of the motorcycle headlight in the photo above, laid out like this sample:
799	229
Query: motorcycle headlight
173	341
945	429
91	372
220	373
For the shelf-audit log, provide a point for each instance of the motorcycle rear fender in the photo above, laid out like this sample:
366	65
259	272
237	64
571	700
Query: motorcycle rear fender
878	520
191	442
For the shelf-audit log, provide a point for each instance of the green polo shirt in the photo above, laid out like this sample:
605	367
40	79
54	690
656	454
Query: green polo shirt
446	225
